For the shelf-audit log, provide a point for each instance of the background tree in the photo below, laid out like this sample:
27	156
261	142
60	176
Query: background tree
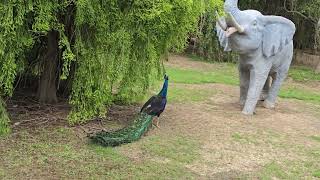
90	51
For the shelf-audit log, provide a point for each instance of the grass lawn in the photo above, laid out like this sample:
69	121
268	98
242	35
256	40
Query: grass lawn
198	143
226	73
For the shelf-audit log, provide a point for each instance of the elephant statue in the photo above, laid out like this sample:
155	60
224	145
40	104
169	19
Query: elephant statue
265	48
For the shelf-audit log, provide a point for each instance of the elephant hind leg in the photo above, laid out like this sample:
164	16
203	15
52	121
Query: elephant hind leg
266	88
269	103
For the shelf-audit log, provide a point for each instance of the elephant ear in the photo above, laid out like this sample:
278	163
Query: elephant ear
222	35
278	32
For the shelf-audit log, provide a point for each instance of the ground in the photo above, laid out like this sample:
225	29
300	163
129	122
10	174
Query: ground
203	134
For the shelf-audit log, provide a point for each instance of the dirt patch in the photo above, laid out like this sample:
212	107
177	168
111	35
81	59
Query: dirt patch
183	62
27	114
233	145
267	136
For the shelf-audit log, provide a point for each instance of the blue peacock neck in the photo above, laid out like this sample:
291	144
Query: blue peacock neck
164	89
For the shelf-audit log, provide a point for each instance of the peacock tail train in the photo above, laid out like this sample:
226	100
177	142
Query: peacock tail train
125	135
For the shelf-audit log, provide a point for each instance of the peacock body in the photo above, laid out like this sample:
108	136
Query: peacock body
153	107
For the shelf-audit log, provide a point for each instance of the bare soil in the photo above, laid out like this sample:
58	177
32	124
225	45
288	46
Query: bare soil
27	113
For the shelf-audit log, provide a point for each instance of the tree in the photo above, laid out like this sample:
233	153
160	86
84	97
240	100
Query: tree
93	52
204	41
4	120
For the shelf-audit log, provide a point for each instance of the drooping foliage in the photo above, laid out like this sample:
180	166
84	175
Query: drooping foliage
4	120
96	51
205	42
121	46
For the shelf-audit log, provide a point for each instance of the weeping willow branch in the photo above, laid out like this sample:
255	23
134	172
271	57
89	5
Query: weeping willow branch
4	119
109	50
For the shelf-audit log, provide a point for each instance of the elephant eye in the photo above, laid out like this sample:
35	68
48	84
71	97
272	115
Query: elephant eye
255	23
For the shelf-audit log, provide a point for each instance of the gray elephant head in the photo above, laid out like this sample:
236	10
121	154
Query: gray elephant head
249	30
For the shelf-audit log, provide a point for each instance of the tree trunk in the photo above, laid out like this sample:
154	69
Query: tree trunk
47	90
317	36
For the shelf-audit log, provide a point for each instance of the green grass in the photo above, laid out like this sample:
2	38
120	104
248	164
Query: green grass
243	138
2	174
262	137
179	94
301	73
290	170
59	154
307	167
316	138
272	170
225	75
314	153
178	149
316	174
150	170
300	94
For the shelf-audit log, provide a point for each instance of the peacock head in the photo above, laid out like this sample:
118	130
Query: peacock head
166	77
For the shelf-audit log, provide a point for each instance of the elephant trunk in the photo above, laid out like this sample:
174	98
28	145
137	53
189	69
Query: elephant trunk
232	21
231	6
232	11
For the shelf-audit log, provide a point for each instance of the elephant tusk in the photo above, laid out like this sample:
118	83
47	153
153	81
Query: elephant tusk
230	31
221	24
234	23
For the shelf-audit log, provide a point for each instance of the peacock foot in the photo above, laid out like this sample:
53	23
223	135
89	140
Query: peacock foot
155	122
268	104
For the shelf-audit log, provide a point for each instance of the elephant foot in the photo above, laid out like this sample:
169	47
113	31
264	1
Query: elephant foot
242	102
268	105
248	113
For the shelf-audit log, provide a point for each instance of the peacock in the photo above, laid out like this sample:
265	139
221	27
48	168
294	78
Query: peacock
152	108
157	103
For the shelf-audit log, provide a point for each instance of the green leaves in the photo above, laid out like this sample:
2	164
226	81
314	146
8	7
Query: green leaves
120	45
116	46
4	120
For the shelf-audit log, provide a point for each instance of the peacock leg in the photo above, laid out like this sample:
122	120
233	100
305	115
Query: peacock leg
155	122
158	123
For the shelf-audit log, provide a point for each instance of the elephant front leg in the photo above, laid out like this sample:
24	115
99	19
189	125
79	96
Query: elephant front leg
244	85
257	81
